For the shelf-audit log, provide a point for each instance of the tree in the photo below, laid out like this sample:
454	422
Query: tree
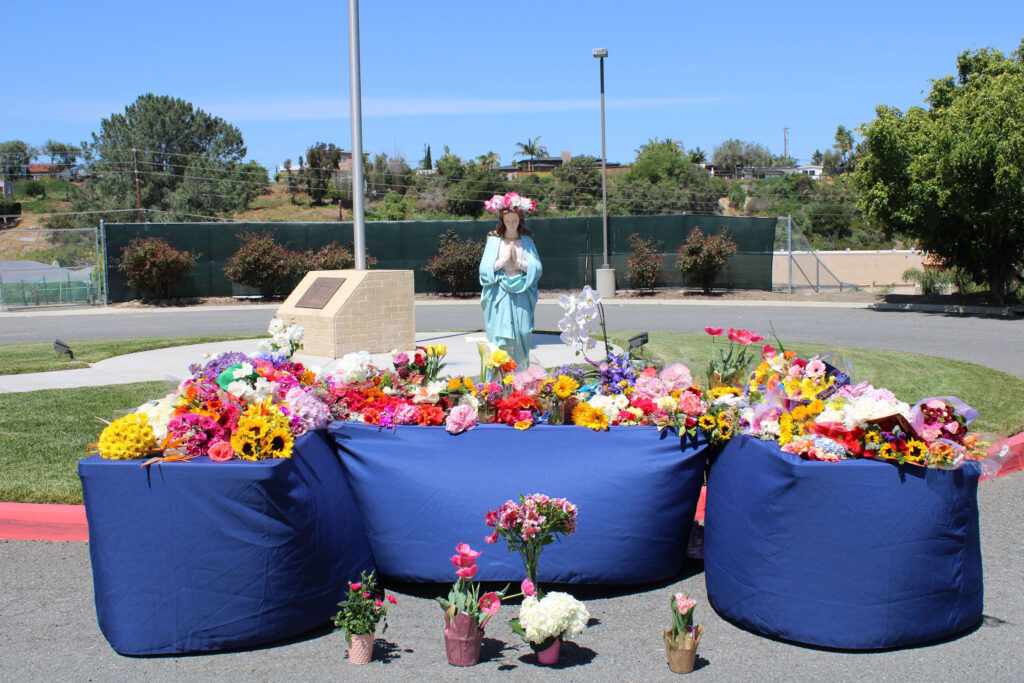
733	154
702	257
698	156
489	160
456	261
62	155
950	176
531	148
321	165
156	140
817	157
425	162
15	156
578	182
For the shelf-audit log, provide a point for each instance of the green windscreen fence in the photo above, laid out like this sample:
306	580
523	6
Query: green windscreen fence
570	248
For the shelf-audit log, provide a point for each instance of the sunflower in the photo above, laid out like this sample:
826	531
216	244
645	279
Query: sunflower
887	451
916	450
565	386
873	438
725	431
245	446
707	422
723	420
277	443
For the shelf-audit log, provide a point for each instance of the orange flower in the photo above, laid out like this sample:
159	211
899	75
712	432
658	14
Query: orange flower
191	392
789	355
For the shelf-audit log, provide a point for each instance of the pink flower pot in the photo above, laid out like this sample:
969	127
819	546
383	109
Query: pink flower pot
360	649
462	640
550	655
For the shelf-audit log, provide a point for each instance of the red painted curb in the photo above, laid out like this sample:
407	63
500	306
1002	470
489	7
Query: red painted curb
43	522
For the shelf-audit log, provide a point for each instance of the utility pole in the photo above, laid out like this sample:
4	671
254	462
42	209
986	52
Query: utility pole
138	192
785	139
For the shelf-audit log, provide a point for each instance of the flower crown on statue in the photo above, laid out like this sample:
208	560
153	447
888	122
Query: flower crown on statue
512	200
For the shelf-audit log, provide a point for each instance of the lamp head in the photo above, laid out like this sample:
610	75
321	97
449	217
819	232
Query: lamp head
600	52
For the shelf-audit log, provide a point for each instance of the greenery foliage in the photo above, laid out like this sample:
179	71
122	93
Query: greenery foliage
153	266
701	258
643	267
15	156
262	263
321	166
456	261
950	176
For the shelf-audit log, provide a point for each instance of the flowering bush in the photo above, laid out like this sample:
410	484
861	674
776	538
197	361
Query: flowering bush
456	261
555	616
464	596
363	608
536	521
643	266
153	266
262	263
702	257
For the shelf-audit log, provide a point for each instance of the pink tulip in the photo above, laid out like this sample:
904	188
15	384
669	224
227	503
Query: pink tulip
715	331
467	572
462	561
528	588
465	550
768	352
489	603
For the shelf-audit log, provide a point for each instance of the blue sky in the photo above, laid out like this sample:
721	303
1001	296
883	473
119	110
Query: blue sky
481	76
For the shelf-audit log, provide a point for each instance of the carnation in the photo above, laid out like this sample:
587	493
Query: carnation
676	377
461	418
311	411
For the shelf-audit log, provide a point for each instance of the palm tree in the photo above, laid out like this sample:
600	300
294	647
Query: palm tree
489	160
531	148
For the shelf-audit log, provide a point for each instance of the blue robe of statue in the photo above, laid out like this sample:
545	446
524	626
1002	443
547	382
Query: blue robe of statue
508	302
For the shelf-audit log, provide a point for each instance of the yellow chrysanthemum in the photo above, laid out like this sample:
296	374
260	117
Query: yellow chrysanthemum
816	407
565	386
785	429
508	379
707	422
126	437
523	424
454	384
799	413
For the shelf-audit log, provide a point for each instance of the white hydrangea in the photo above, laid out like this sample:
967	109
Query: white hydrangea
353	367
852	413
610	404
556	615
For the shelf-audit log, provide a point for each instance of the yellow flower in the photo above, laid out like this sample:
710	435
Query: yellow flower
799	413
126	437
497	359
442	349
523	424
454	384
468	383
508	379
887	451
277	443
565	386
872	438
916	450
723	420
817	405
586	415
707	422
725	431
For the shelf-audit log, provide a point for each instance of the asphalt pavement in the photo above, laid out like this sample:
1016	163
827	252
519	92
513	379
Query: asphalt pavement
48	631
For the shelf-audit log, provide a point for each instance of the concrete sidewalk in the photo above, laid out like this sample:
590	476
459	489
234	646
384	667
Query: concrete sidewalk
171	364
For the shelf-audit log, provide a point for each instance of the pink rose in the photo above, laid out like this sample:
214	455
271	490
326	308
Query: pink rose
528	588
467	572
366	595
401	359
461	418
714	331
355	586
489	603
379	603
221	451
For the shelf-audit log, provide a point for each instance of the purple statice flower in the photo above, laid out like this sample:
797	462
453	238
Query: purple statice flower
572	370
213	367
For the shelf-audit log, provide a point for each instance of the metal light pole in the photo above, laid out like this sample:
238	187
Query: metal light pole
605	274
358	217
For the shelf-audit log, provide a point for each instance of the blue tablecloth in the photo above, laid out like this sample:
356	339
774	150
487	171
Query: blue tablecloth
856	554
194	556
421	491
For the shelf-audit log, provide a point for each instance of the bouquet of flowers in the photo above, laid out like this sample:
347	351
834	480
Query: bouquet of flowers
682	640
530	525
363	608
729	368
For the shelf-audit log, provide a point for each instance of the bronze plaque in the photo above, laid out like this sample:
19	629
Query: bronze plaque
320	292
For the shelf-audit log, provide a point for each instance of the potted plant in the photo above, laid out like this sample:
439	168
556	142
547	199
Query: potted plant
546	620
362	609
682	640
466	612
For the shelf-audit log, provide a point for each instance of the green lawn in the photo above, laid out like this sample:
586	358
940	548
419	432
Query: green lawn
40	357
58	193
45	433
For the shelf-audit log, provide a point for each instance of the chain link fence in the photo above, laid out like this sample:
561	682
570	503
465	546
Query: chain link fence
805	269
50	268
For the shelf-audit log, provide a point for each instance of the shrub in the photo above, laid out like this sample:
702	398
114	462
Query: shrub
456	260
702	258
333	256
153	266
35	188
10	210
643	267
262	263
